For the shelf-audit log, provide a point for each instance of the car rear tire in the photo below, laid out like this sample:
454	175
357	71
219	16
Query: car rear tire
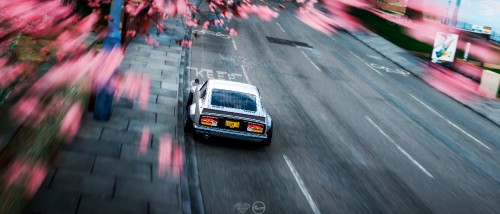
188	123
189	101
267	141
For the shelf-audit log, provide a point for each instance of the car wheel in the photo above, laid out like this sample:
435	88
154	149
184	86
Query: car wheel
267	141
189	101
188	123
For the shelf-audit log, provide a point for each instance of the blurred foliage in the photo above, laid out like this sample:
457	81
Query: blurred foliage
29	50
37	144
390	31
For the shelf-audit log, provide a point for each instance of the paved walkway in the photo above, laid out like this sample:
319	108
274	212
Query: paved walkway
490	109
102	170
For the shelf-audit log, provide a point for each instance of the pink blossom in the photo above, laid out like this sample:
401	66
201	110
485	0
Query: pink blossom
10	74
3	61
16	169
71	122
132	91
160	27
206	24
187	43
178	161
143	145
212	6
315	20
263	12
86	24
177	7
122	83
94	3
191	23
451	83
159	4
219	22
111	60
144	93
228	15
25	173
233	32
44	51
38	174
133	10
164	154
131	33
26	108
151	41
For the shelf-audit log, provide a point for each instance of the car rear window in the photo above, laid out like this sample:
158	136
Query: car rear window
233	99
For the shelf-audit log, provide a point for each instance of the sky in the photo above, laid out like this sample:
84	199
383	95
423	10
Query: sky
480	12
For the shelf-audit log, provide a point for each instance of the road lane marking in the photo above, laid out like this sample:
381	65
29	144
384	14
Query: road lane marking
390	70
280	27
374	57
310	61
302	186
234	44
399	147
415	162
451	123
378	72
245	74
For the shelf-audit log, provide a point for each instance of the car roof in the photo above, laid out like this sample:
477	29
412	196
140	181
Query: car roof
233	86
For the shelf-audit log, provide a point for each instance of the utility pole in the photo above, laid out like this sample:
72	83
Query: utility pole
447	12
455	12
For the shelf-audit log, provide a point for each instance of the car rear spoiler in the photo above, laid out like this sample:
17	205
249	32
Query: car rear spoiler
247	117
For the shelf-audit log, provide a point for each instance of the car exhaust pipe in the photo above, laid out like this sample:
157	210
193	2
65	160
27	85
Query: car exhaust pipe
206	136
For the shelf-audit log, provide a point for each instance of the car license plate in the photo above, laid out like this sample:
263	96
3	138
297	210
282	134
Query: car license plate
232	124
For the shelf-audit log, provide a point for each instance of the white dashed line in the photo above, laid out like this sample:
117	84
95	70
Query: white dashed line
451	123
310	61
245	74
234	45
400	149
302	186
365	63
415	162
374	57
280	27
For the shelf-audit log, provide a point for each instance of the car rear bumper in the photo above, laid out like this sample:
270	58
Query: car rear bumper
225	133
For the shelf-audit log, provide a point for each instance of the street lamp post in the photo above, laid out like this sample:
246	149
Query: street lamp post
104	96
447	12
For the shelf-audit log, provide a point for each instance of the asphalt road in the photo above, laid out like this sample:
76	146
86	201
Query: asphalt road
354	133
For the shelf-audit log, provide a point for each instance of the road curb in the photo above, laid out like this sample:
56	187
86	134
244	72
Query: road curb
192	199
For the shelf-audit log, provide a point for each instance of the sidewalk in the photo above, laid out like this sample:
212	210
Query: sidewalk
101	171
489	109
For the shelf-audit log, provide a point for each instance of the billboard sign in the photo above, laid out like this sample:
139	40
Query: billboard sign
445	47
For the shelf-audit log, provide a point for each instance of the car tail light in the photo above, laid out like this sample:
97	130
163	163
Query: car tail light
256	128
209	121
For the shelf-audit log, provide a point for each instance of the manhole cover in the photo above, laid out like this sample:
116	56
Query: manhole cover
287	42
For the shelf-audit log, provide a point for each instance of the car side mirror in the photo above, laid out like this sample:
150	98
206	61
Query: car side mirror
197	81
